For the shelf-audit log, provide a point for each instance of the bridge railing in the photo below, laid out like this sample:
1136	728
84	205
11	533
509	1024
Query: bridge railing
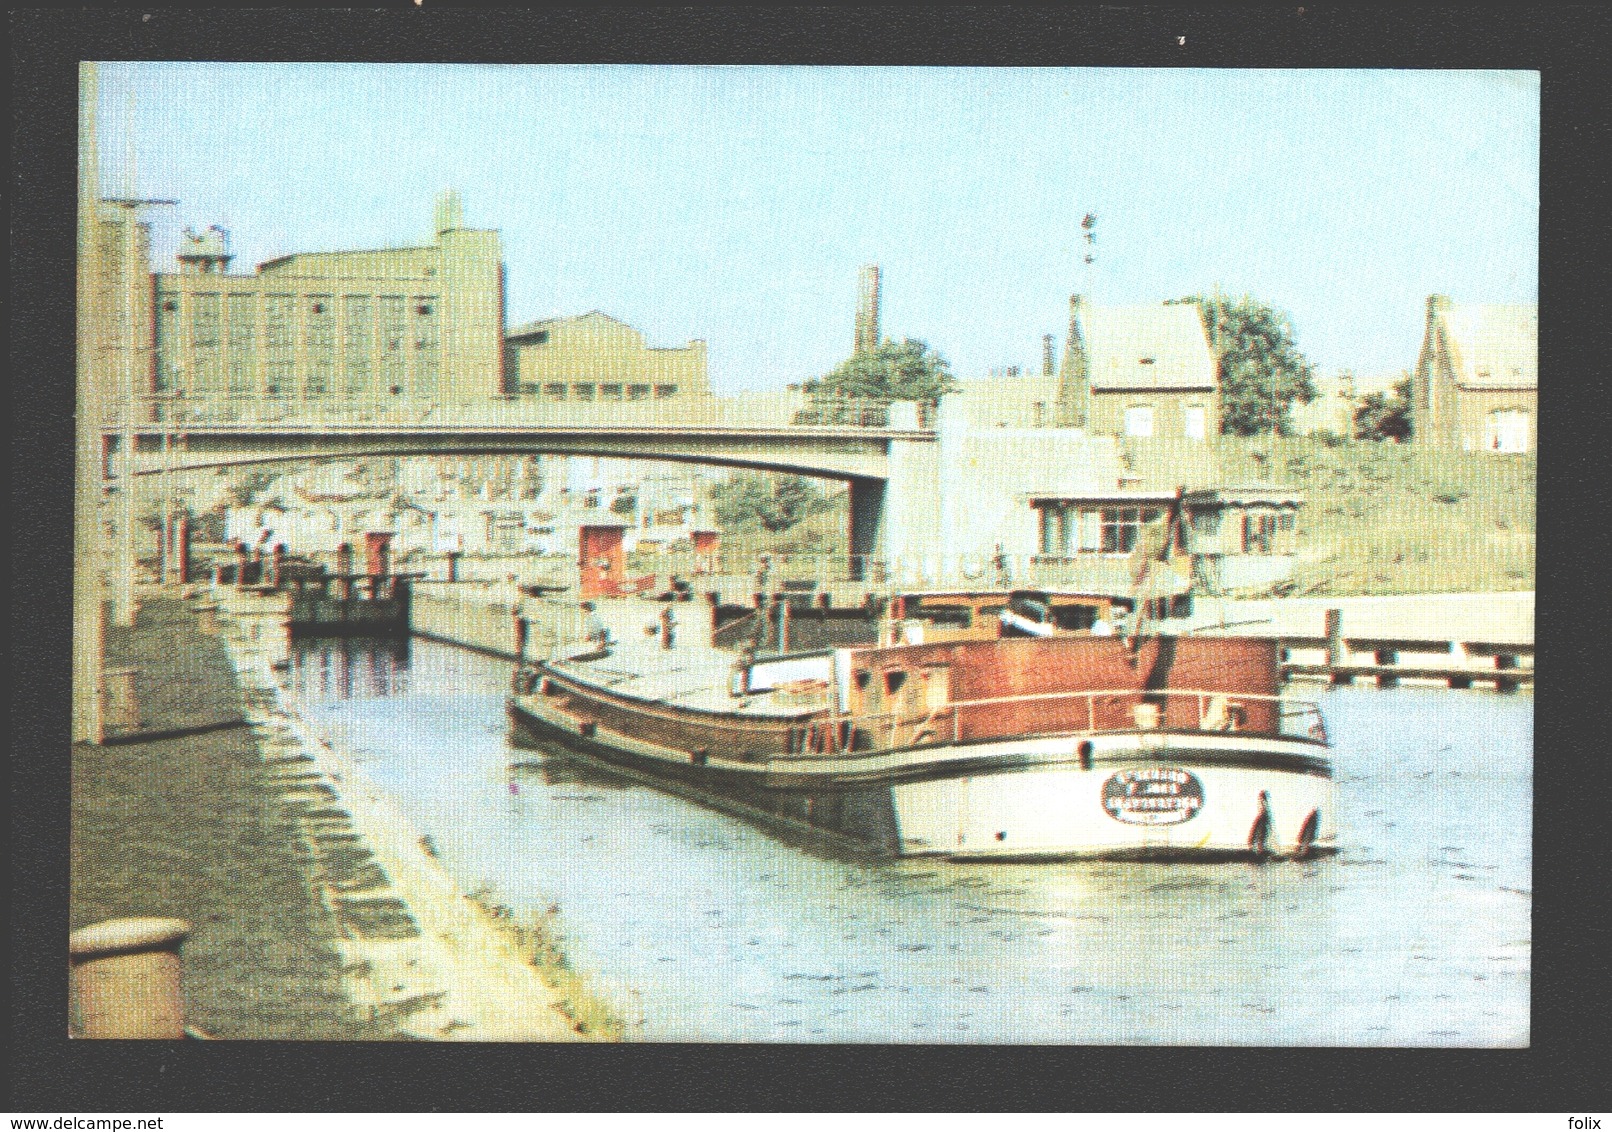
859	412
762	411
801	573
196	411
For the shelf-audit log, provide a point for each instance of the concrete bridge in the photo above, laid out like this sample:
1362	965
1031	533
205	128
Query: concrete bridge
866	458
941	499
836	452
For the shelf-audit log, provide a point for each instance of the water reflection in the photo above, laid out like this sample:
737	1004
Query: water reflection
341	668
1417	933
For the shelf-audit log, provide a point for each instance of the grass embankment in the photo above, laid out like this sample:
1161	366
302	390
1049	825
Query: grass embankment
1377	518
192	827
1398	519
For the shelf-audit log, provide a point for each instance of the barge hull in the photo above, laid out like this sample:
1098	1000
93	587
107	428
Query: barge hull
1108	796
858	820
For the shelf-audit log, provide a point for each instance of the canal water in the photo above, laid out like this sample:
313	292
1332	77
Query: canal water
703	926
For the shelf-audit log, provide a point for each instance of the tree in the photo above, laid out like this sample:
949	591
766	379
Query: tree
774	502
1262	371
1384	416
894	371
248	484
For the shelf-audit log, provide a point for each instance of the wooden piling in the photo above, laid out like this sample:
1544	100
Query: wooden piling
1337	648
181	551
1387	658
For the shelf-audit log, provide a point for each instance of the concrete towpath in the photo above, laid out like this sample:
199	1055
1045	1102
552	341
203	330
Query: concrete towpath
415	947
318	911
1501	618
184	819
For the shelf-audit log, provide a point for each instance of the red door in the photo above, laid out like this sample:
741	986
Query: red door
705	551
602	562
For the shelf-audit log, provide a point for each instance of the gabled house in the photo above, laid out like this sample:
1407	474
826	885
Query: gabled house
1139	371
1143	371
1476	382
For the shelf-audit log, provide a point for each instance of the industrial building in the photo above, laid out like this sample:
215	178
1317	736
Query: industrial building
331	331
594	359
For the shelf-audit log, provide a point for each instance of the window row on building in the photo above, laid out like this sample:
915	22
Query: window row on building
219	345
1069	530
599	391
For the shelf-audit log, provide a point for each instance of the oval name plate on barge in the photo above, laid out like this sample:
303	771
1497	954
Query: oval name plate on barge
1164	795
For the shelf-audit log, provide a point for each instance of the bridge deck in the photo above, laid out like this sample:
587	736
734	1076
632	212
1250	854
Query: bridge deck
836	451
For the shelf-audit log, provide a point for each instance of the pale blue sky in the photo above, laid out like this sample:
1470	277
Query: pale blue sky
736	204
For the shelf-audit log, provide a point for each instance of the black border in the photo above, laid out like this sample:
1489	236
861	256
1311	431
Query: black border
1564	1070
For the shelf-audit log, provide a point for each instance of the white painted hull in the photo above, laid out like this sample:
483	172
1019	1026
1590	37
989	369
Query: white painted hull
1064	810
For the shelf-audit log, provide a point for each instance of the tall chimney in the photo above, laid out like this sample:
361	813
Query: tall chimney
450	213
867	310
1073	381
1047	355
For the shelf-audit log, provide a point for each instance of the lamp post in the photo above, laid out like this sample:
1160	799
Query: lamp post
130	204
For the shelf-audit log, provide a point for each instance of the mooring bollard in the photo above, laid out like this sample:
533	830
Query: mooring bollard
126	978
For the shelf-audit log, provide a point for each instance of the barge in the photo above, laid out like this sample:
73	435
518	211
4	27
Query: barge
1034	748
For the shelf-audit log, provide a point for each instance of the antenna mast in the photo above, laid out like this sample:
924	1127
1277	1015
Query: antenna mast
130	204
1088	225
